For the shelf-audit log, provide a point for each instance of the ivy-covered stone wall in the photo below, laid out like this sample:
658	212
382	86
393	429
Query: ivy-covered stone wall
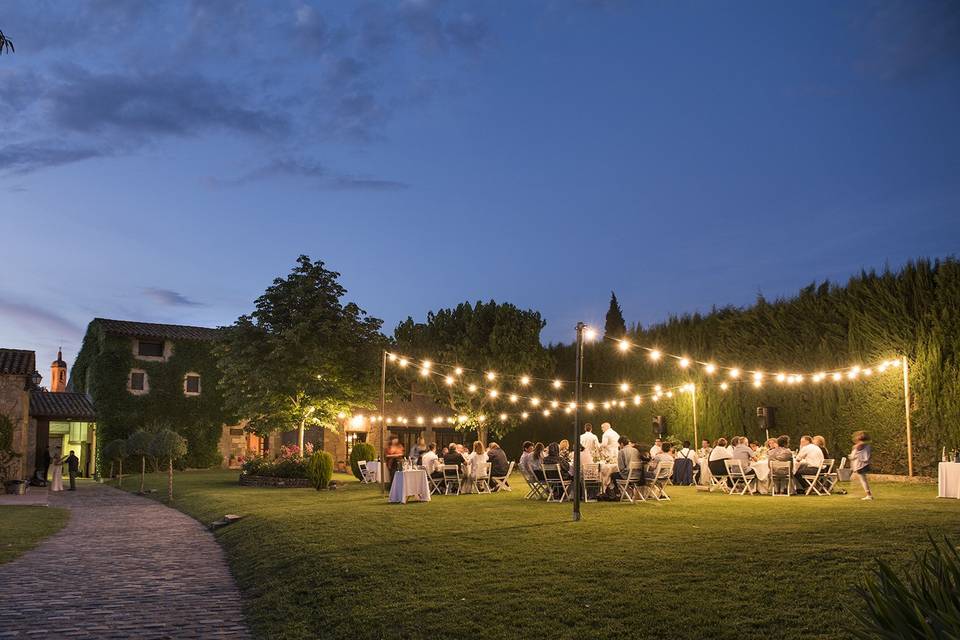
102	369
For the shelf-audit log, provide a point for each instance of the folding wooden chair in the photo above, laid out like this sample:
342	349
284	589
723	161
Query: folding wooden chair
631	488
719	480
537	489
482	482
781	472
741	482
658	479
590	478
436	484
451	479
815	481
556	483
502	483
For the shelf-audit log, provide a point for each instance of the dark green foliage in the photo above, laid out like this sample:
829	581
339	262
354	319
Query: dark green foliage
6	44
482	336
288	467
924	604
320	469
361	451
614	326
876	316
7	454
102	367
302	356
168	446
114	451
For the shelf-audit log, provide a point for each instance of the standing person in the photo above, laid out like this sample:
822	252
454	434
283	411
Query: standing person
860	460
589	440
43	468
57	482
609	442
394	454
73	468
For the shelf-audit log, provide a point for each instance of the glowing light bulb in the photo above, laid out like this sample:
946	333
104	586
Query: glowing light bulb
669	394
589	334
534	401
684	363
658	388
710	368
624	345
419	419
524	415
656	397
514	397
781	377
637	400
458	371
624	387
758	375
491	376
403	362
546	413
868	371
494	393
555	404
392	357
606	405
591	406
424	372
525	380
655	355
426	364
341	415
622	403
734	373
837	377
557	384
503	417
448	380
461	419
472	388
724	386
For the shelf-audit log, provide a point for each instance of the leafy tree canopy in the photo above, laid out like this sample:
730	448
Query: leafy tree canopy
484	337
615	327
302	356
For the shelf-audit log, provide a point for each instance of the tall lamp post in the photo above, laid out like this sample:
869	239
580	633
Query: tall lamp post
383	425
577	471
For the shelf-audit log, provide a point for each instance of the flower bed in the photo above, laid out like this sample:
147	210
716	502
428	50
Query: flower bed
272	481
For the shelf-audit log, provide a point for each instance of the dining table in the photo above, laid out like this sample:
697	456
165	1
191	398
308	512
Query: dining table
412	483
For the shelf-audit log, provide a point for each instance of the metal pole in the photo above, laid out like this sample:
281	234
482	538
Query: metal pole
577	471
906	410
696	439
383	425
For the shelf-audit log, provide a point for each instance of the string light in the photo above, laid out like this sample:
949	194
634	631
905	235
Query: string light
637	400
555	404
624	387
624	345
491	376
524	415
514	397
710	368
781	377
472	388
392	357
724	386
837	377
534	401
684	363
557	384
734	373
494	393
403	362
591	406
448	380
655	355
525	380
458	371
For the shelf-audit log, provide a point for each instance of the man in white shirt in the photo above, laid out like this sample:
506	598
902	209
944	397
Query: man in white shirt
609	443
657	448
589	440
809	459
429	461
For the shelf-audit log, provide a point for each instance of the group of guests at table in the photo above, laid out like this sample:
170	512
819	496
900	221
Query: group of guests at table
472	461
806	460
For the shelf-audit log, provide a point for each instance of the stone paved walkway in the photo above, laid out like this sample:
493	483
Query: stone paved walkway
123	567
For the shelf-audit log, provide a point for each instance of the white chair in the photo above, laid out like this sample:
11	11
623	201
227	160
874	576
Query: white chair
451	479
781	472
831	479
631	487
368	471
741	481
503	482
719	480
590	478
436	484
556	483
661	474
814	480
482	482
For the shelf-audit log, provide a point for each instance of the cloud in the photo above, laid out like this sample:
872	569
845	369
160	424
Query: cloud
25	158
38	319
170	298
315	173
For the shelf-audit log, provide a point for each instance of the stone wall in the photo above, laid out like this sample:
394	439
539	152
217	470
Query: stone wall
15	404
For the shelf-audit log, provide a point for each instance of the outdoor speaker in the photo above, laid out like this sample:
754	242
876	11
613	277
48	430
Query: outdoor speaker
766	418
659	426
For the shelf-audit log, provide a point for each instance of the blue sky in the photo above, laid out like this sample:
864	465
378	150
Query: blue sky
165	161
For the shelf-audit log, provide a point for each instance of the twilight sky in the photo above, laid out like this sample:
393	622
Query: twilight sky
165	161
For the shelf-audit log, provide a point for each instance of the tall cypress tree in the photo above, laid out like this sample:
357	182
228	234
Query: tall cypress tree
615	327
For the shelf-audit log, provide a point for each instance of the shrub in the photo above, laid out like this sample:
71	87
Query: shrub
924	604
361	451
320	469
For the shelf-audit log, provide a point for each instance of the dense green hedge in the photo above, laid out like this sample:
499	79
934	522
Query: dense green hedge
875	316
102	367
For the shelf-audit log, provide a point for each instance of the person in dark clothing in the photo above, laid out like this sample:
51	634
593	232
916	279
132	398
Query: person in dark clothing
73	467
43	468
553	457
453	457
498	460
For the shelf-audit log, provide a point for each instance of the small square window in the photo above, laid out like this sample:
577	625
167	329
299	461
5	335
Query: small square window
193	384
138	381
149	348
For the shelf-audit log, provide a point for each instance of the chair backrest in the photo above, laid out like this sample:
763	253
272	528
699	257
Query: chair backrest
484	471
552	473
843	462
734	467
590	471
362	464
635	472
509	469
451	472
780	468
827	467
664	470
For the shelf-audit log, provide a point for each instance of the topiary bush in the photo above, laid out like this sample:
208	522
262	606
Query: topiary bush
320	469
361	451
924	604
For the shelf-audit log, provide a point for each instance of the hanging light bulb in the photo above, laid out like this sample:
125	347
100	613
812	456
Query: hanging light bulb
669	394
868	371
524	380
724	386
710	368
403	362
837	377
555	404
458	371
591	406
546	413
534	401
426	365
448	380
684	363
424	372
392	357
624	345
734	373
524	415
624	387
637	400
491	376
494	393
655	355
557	384
514	397
606	404
419	419
622	403
657	388
472	388
781	377
590	334
503	417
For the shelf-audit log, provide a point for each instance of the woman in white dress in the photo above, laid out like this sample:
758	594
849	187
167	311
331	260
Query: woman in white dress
57	484
476	464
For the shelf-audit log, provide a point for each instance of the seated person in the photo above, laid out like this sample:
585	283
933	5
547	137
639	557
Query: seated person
498	461
809	459
526	458
821	442
431	461
657	448
781	451
453	456
742	452
665	454
554	457
536	460
627	454
718	454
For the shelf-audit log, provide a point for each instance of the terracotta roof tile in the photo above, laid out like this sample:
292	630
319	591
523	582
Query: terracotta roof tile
46	404
154	330
17	362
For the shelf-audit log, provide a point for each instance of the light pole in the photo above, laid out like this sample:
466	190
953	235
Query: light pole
577	471
905	365
693	395
383	425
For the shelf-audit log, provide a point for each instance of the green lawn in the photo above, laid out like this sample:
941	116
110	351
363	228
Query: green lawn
23	528
345	564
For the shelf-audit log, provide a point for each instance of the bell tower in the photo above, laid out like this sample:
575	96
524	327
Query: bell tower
58	373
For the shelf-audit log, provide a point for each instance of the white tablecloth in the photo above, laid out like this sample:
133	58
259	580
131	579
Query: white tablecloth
949	480
408	484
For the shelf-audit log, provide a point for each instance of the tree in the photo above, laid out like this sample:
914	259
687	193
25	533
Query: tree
115	451
614	327
302	356
483	337
6	43
138	444
168	445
